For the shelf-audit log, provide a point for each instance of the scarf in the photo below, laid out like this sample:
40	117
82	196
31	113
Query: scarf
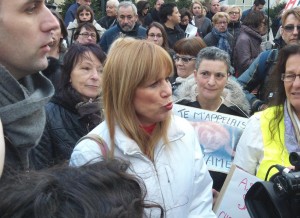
22	109
292	131
89	111
222	40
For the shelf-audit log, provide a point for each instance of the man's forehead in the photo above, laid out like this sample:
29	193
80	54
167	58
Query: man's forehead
126	11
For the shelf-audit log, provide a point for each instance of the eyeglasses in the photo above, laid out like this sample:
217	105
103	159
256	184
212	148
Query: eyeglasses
207	75
152	35
289	77
86	35
234	13
184	59
290	28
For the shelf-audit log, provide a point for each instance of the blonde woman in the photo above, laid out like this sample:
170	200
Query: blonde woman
139	127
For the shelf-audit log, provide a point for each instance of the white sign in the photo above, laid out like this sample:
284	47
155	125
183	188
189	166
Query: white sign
218	134
231	200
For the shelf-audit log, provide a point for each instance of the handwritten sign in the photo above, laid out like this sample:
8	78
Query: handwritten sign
218	134
231	201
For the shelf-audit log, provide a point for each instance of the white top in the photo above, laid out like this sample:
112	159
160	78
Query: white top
178	178
250	148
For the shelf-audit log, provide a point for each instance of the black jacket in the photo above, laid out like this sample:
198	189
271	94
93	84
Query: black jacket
65	125
174	35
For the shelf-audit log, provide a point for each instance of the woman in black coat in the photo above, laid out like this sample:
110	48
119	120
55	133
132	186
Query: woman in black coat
75	109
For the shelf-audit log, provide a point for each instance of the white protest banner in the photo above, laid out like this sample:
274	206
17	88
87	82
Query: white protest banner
218	134
190	31
231	200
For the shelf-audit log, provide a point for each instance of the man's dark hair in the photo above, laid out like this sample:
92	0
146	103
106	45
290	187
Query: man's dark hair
165	11
254	19
259	2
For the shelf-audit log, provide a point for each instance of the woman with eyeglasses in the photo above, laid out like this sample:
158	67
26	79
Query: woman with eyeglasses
234	25
271	135
86	33
75	109
184	58
84	14
156	33
211	75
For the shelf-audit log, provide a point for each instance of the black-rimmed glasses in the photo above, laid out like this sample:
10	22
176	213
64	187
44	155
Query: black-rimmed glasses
86	35
184	59
289	77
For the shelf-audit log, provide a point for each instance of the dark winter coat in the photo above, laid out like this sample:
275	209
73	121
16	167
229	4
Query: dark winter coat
247	48
65	125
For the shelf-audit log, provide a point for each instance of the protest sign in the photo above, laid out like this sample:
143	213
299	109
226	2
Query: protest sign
191	31
231	200
218	134
291	4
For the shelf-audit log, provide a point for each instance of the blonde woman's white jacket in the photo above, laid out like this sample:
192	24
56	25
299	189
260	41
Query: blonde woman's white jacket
178	179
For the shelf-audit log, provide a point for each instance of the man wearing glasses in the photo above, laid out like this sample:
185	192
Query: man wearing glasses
257	73
127	26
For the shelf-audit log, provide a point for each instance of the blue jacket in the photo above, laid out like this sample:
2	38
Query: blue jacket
114	32
71	13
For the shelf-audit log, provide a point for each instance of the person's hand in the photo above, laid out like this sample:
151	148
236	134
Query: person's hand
215	196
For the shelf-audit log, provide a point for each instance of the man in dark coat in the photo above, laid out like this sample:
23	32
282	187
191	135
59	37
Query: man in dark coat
127	26
170	18
23	90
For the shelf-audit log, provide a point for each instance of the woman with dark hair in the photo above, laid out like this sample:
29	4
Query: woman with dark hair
57	51
75	109
156	33
99	190
247	46
142	10
86	33
271	135
84	14
186	18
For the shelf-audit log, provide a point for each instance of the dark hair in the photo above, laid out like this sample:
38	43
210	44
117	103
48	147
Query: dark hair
254	19
99	190
63	29
259	2
165	44
166	10
189	46
141	5
87	8
276	85
186	12
76	53
87	26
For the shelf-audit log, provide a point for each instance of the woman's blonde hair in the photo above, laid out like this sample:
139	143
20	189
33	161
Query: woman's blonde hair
130	64
220	15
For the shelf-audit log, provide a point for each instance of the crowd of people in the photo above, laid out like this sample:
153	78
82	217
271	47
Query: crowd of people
86	122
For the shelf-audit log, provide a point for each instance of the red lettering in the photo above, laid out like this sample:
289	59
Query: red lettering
223	214
240	205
